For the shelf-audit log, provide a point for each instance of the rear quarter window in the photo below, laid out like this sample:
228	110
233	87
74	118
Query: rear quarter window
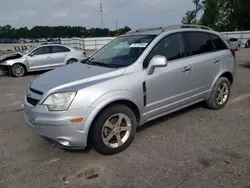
219	44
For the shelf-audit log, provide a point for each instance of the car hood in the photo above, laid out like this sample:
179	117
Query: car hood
73	76
10	56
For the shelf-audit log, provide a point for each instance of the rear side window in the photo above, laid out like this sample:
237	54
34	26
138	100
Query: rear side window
58	49
197	43
218	42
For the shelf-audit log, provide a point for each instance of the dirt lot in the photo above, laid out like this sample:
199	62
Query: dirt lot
196	147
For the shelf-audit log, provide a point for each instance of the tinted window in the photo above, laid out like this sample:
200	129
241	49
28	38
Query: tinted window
197	43
42	50
233	40
57	49
171	47
218	42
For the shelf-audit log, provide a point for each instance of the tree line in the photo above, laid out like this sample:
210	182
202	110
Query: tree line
221	15
8	31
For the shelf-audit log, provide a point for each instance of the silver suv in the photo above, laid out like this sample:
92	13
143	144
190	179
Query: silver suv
135	78
42	57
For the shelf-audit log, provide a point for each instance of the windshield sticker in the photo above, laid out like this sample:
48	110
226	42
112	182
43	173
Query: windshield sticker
138	45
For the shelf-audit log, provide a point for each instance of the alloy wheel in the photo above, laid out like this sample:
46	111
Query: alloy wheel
18	70
222	93
116	130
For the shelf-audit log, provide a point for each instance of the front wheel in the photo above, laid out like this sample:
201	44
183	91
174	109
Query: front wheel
220	94
17	70
113	130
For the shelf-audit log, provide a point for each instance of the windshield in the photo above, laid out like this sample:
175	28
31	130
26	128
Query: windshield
122	51
29	50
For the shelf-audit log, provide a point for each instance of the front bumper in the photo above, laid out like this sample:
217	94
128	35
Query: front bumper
57	126
4	68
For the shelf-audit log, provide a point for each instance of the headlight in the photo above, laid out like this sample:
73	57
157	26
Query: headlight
59	101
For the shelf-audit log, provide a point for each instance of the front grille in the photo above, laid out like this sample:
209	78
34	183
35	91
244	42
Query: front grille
32	101
36	91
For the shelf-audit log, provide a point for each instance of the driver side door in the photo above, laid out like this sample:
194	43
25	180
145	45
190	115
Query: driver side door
40	58
168	87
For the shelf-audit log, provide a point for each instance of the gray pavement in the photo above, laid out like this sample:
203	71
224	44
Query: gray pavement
195	147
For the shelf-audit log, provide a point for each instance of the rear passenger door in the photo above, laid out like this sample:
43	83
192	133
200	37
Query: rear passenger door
59	54
205	62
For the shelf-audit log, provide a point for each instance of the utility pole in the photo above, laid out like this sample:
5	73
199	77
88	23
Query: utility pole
101	14
116	25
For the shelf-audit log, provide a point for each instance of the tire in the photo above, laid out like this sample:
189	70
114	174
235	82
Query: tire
238	48
213	102
70	61
101	130
18	70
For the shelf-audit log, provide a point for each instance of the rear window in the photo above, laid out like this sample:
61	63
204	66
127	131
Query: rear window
218	42
197	43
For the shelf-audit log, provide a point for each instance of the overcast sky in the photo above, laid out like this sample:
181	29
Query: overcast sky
133	13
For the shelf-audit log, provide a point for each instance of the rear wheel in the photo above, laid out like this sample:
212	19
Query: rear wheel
18	70
71	61
220	94
113	130
238	48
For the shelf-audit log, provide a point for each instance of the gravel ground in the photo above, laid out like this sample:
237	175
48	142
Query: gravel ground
195	147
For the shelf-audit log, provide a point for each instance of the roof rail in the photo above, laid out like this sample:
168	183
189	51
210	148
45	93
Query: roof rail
145	29
186	26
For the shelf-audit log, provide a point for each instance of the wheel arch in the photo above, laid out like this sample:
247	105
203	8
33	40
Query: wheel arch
124	101
18	63
70	58
227	74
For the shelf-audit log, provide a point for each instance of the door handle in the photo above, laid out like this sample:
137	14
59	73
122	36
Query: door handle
186	69
216	61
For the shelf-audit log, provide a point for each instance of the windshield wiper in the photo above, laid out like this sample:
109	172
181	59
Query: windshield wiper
98	63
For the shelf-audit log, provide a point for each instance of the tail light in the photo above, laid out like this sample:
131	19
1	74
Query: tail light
233	52
84	53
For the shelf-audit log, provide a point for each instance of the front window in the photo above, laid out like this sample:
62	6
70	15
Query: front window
28	50
122	51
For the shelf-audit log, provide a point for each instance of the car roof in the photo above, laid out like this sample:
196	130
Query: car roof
53	44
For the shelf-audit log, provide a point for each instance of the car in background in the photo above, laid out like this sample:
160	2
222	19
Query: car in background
247	44
42	57
234	43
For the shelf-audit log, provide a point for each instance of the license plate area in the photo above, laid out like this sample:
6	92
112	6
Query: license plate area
31	121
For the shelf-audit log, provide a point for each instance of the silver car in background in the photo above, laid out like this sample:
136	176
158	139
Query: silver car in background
234	43
42	57
135	78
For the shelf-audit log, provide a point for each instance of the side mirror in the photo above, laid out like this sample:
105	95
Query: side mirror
31	54
156	61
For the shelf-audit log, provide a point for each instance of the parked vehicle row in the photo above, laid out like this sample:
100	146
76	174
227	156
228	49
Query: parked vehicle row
37	58
135	78
29	40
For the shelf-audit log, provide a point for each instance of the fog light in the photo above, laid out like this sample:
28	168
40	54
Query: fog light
64	142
